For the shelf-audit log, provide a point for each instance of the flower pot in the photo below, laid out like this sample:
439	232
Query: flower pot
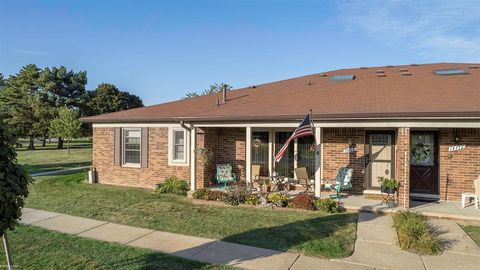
388	190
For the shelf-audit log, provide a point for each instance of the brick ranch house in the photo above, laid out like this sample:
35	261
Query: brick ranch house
417	123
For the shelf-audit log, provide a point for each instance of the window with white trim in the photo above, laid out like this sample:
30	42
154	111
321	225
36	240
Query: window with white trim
131	140
178	146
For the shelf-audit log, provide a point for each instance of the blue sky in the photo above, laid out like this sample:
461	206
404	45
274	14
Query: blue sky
160	50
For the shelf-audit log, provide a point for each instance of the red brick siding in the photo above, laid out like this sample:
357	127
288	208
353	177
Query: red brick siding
228	146
460	167
335	140
156	172
402	172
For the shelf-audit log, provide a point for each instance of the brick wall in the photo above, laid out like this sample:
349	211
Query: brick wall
460	168
227	145
335	140
402	172
156	172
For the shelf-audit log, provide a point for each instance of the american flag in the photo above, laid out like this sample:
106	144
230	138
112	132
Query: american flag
304	129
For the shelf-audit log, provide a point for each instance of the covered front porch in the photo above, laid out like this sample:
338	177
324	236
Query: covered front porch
373	151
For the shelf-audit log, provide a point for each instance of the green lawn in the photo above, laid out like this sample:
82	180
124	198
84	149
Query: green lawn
312	233
474	232
36	248
49	158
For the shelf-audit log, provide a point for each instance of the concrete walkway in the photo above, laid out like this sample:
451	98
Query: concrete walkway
60	171
375	247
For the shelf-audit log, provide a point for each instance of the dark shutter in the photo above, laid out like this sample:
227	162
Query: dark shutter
117	147
144	151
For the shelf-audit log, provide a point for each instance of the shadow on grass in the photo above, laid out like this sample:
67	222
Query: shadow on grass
54	147
323	236
39	168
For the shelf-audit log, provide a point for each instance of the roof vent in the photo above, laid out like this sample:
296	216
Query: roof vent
322	75
309	82
454	71
253	86
343	78
473	67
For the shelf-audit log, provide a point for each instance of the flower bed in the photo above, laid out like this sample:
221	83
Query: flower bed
240	195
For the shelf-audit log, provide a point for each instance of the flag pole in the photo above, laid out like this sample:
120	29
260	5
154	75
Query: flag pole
313	131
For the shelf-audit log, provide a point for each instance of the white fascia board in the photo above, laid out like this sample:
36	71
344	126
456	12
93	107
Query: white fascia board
420	123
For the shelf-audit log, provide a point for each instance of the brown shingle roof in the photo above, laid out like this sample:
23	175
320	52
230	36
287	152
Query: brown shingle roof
421	94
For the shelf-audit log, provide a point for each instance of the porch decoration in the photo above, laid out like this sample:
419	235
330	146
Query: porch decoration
225	174
205	155
388	188
421	151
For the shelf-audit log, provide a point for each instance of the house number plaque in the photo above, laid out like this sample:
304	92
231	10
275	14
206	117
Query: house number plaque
456	148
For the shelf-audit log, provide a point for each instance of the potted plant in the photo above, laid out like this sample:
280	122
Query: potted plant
388	185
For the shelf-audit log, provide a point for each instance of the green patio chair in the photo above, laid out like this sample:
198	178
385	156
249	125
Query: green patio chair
343	181
225	174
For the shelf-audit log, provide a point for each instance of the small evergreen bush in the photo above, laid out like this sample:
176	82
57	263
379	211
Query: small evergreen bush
215	195
174	185
200	194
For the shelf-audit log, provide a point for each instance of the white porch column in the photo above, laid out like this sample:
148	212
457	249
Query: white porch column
248	155
318	160
193	169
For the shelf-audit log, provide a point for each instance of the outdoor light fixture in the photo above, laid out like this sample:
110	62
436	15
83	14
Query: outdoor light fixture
456	138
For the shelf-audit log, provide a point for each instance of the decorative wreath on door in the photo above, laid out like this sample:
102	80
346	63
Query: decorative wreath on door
257	142
421	151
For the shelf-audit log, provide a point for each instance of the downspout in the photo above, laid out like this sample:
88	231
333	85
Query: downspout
182	124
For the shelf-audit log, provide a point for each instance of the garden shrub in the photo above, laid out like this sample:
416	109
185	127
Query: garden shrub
200	194
326	205
174	185
214	195
279	199
303	201
236	194
252	199
415	234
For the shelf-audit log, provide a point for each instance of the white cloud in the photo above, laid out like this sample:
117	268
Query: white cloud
442	30
31	52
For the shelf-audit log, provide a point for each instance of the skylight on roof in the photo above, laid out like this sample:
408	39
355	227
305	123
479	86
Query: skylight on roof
342	78
455	71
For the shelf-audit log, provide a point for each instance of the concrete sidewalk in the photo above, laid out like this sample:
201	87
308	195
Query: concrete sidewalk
375	247
60	171
194	248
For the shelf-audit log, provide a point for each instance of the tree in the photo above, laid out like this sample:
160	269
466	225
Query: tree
106	98
66	125
214	89
13	186
2	82
18	101
63	88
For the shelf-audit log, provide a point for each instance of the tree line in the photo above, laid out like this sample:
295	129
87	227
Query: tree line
45	103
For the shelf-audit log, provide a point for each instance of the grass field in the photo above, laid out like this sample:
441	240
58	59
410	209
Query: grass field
308	233
49	158
36	248
474	232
